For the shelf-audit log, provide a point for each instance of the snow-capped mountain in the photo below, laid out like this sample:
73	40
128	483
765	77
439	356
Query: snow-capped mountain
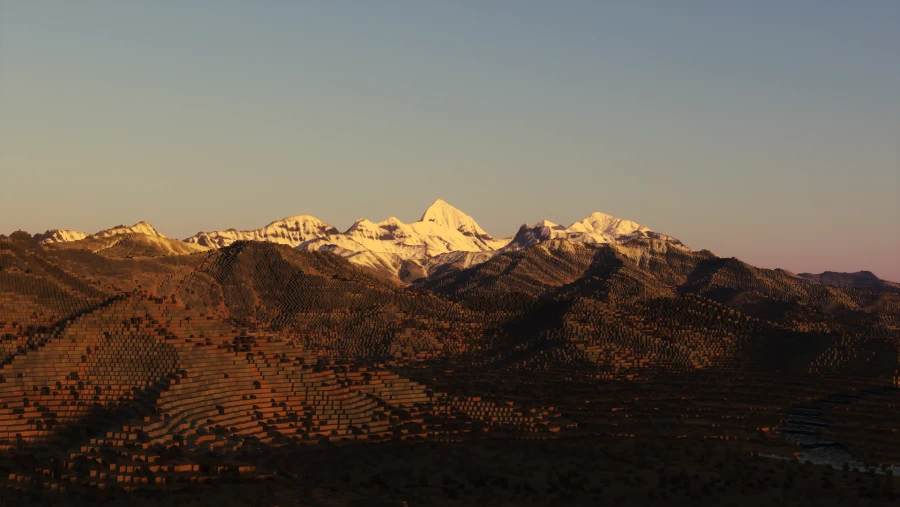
444	238
138	228
444	216
138	240
291	231
442	229
65	235
60	236
596	228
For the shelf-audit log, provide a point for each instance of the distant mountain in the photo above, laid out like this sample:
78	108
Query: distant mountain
60	236
121	241
409	250
443	247
858	280
597	228
65	236
443	239
442	229
131	244
291	231
637	269
599	333
138	228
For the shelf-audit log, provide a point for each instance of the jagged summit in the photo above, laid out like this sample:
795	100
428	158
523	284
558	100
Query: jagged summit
597	228
443	236
364	224
441	213
601	227
66	235
292	230
547	223
138	228
121	241
443	229
298	219
60	236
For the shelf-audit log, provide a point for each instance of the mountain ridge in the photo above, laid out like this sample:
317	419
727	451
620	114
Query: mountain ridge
423	245
69	235
443	240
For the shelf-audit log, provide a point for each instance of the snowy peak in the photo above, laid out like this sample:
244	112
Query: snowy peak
442	229
548	224
365	225
603	226
362	224
66	236
293	231
596	228
444	236
138	228
60	236
303	224
442	214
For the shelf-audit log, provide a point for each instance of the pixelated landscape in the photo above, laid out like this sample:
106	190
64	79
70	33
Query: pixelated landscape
432	364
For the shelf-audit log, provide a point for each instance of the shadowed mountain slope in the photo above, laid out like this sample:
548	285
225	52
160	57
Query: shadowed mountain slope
147	373
858	280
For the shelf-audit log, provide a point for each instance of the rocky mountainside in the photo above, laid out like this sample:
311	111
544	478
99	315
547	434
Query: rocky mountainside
138	240
138	228
291	231
597	228
858	280
249	353
437	250
443	239
65	235
60	236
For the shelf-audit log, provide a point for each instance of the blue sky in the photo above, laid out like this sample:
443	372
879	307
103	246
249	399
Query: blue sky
763	130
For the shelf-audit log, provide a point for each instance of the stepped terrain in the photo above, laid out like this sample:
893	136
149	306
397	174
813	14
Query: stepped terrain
433	364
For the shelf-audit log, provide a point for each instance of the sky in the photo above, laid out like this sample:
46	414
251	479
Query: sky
764	130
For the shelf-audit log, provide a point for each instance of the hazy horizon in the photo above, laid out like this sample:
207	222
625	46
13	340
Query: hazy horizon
765	131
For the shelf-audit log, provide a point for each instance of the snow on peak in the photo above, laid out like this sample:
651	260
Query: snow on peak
603	226
293	231
443	214
442	230
299	219
390	221
546	223
138	228
60	236
65	235
596	228
362	224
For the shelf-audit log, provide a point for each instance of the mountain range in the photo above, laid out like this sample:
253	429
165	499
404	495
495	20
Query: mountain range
444	236
444	240
233	357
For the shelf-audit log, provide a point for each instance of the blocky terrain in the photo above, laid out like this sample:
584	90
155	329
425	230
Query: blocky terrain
564	373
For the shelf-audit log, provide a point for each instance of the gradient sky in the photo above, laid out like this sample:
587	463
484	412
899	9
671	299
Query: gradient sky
765	130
